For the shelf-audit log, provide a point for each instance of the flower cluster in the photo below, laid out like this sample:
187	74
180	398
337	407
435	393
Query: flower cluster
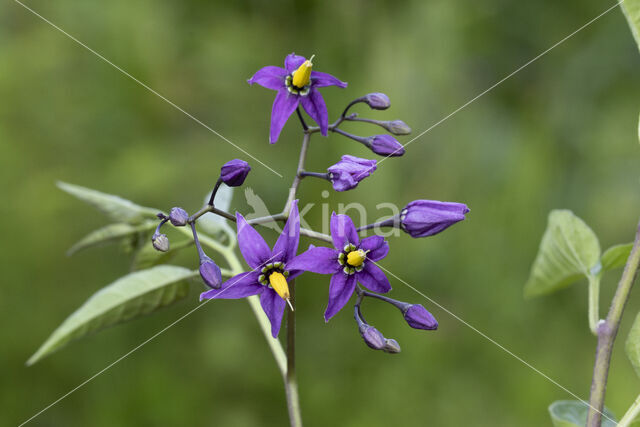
351	262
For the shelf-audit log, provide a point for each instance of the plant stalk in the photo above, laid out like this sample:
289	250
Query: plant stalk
290	383
607	331
631	414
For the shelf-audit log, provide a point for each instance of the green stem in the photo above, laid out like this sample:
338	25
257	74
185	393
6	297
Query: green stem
290	383
607	331
594	303
631	414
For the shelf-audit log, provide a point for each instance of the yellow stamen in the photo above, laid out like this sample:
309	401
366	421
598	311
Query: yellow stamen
279	284
356	258
302	76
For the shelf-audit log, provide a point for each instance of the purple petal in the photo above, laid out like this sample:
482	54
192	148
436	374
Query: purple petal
319	79
373	278
239	286
343	231
287	244
314	106
316	260
293	61
273	307
376	245
340	290
270	77
283	106
253	247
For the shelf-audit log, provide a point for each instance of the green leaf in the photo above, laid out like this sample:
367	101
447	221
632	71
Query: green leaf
130	296
110	233
573	413
569	250
631	10
116	208
616	256
632	346
147	256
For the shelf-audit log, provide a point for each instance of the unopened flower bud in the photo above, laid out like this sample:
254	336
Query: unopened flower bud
397	127
372	337
422	218
178	217
377	101
160	242
348	172
210	273
234	172
391	346
419	318
386	145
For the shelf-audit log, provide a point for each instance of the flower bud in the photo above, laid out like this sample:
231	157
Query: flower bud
377	101
422	218
234	172
391	346
160	242
397	127
178	217
348	172
372	337
386	145
210	273
419	318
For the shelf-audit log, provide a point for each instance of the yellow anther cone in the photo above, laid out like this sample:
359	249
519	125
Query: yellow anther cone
279	284
302	76
356	258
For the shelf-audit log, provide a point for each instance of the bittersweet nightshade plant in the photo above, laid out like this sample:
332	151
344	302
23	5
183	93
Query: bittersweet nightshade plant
268	282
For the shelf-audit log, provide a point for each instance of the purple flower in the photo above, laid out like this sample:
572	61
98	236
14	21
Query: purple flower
234	172
386	145
352	261
348	172
270	269
178	217
422	218
419	318
372	337
296	84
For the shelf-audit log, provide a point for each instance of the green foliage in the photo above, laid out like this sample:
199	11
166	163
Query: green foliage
115	207
631	9
111	233
130	296
616	256
147	256
573	413
568	252
632	346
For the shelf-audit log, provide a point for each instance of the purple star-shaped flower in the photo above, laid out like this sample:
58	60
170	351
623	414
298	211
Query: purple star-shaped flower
296	84
270	270
352	261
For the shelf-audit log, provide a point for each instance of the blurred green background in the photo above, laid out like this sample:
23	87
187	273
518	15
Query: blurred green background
560	134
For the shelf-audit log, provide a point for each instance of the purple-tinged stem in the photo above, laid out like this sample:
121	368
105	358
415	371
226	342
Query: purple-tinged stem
607	331
215	190
314	174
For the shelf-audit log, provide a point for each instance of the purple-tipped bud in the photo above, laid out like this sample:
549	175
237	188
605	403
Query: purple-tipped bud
397	127
422	218
210	273
372	337
391	346
160	242
386	145
419	318
178	217
377	101
348	172
234	172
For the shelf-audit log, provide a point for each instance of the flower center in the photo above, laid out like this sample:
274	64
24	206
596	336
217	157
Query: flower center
299	82
352	259
275	276
302	76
